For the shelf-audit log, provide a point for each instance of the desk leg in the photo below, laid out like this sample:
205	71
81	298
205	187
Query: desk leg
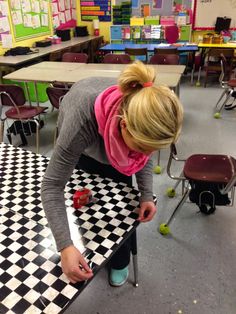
1	130
135	257
176	89
27	92
36	93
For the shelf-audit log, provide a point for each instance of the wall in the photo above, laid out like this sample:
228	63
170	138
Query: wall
104	26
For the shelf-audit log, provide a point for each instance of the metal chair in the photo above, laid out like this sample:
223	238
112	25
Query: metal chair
138	52
55	96
212	63
75	57
117	58
13	96
206	179
229	88
164	59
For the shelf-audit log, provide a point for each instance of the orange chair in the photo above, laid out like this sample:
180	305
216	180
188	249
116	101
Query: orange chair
75	57
117	58
13	96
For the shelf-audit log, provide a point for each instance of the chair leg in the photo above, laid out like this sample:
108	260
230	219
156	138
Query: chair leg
55	136
135	256
206	77
179	205
222	95
1	130
225	102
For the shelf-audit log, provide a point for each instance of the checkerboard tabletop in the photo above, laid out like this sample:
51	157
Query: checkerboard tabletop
31	280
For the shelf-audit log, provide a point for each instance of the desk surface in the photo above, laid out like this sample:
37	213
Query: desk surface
150	47
17	60
31	280
227	45
68	66
70	75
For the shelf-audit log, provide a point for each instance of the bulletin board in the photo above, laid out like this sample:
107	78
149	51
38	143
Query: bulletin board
63	14
4	21
206	12
30	18
96	9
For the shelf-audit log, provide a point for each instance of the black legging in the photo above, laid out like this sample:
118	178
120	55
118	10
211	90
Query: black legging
122	257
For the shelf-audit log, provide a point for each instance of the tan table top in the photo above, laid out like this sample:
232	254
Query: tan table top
16	60
38	74
101	66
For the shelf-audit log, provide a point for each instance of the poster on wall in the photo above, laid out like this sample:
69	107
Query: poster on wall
63	14
157	4
135	4
145	10
4	22
97	9
29	18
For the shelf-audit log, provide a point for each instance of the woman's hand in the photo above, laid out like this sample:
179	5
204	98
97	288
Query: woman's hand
147	211
74	265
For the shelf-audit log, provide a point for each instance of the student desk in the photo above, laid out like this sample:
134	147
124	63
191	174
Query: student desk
44	51
31	279
150	47
224	45
65	66
74	72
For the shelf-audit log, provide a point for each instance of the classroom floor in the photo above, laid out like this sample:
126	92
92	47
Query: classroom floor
193	270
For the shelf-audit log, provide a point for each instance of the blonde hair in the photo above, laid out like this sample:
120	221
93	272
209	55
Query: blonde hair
153	114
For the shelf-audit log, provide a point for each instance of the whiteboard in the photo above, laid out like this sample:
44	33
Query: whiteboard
206	12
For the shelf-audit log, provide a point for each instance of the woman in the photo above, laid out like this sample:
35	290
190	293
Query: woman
111	130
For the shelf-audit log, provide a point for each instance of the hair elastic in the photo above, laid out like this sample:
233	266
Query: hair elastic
147	84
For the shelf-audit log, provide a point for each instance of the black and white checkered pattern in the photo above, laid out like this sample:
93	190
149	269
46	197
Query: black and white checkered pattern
27	249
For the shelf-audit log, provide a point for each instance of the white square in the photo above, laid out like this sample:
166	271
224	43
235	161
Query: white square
11	300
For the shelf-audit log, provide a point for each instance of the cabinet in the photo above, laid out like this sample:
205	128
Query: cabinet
145	33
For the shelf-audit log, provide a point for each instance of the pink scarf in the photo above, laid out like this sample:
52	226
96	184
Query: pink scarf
120	156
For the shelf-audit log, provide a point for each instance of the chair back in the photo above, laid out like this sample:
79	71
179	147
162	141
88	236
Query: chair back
137	52
117	58
164	59
171	34
12	95
75	57
165	51
56	94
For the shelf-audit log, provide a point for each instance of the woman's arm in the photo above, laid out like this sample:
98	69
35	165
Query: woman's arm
145	184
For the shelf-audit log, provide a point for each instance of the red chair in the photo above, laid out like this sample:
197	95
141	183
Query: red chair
55	96
117	58
164	59
213	61
13	96
206	179
75	57
228	83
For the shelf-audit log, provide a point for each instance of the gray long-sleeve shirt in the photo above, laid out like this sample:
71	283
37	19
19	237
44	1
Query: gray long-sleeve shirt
78	133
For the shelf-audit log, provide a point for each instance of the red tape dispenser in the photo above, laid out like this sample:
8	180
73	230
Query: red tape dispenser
82	197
